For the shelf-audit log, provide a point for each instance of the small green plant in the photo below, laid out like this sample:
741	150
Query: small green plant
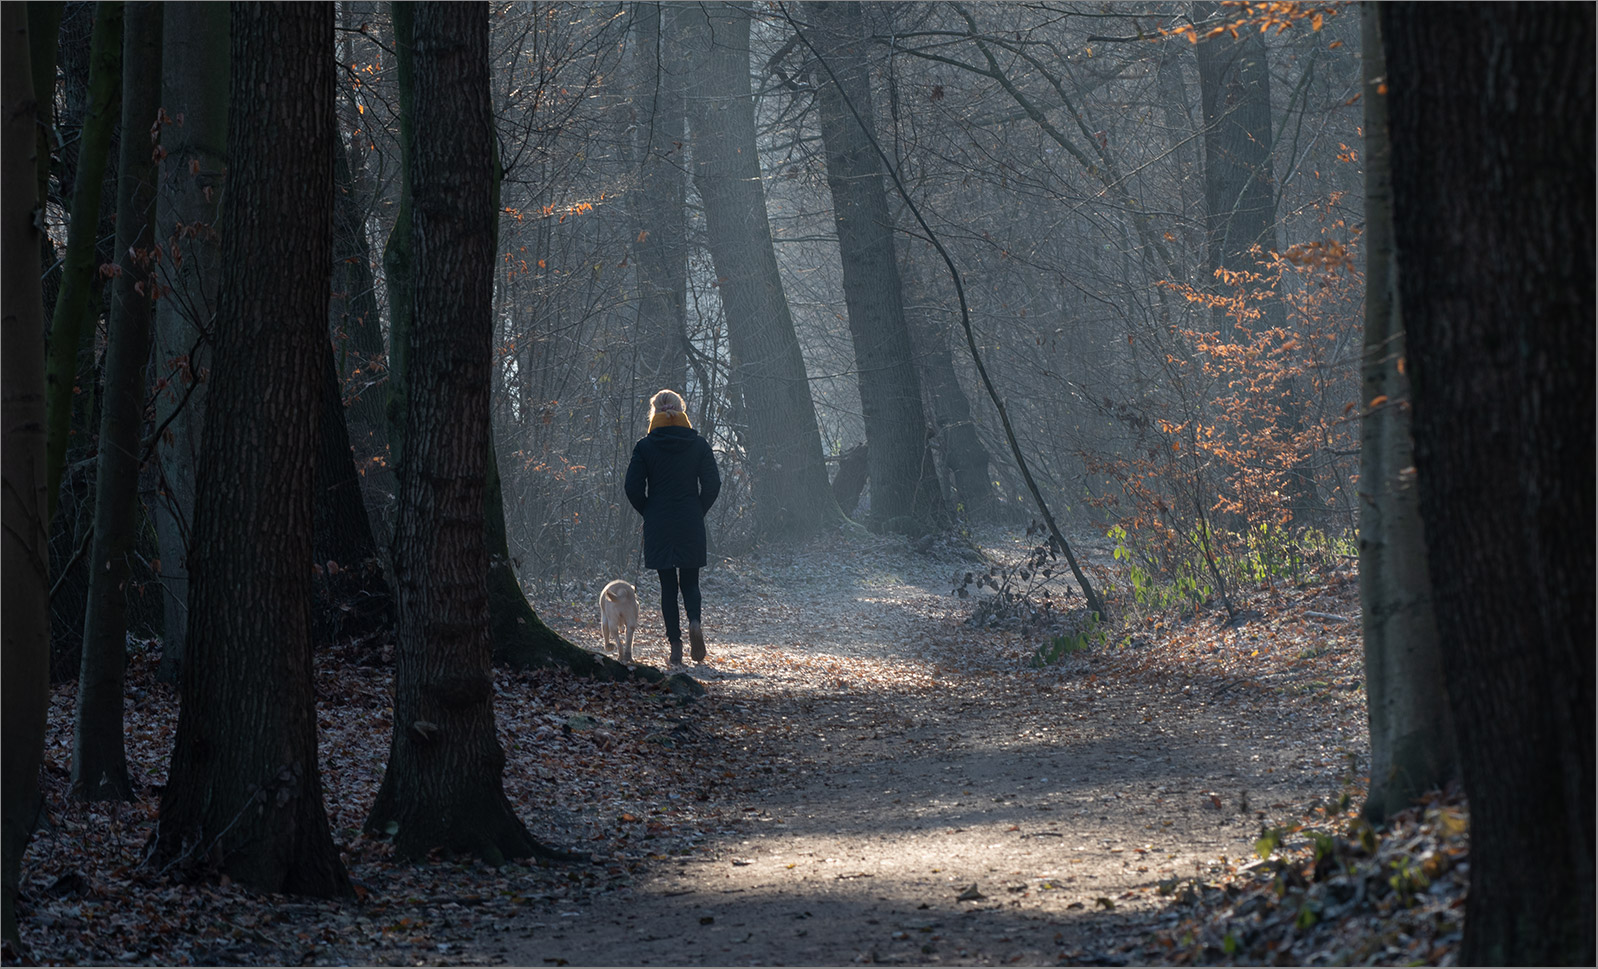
1269	840
1160	585
1307	916
1059	647
1170	570
1407	880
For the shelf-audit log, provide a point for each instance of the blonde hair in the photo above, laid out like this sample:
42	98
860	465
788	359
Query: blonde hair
666	409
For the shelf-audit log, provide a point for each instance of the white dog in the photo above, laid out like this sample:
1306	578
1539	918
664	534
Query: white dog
618	609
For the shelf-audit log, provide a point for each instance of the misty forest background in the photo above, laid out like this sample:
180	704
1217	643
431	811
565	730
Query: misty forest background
1134	271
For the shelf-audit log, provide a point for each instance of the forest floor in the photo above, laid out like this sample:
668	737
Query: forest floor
870	778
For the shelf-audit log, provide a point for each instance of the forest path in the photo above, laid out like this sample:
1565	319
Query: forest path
884	757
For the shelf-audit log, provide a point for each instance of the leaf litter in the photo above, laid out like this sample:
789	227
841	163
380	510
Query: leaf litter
834	665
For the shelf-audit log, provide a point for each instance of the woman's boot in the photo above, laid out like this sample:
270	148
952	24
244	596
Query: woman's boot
676	653
696	642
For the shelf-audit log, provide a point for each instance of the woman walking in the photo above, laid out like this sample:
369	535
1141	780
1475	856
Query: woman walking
672	481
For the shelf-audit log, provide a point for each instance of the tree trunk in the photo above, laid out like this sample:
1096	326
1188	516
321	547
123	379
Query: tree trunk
44	41
80	279
657	204
444	784
1411	730
398	257
854	470
1177	108
352	599
965	459
1491	113
44	38
787	471
194	56
244	792
24	503
1239	183
890	390
358	342
99	758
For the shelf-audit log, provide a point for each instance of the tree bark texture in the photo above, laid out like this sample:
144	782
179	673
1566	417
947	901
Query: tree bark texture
398	257
44	37
1239	182
1491	112
24	503
80	279
357	334
786	468
194	56
1411	728
244	791
99	758
444	783
890	389
965	460
658	204
352	599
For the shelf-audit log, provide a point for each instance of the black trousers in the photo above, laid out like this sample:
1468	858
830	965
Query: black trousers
671	580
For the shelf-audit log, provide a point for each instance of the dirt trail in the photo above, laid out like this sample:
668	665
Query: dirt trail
885	758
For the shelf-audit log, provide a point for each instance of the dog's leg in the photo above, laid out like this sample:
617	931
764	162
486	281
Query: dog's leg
626	650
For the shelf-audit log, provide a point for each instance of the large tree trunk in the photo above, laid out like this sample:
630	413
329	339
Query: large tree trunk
1239	183
25	645
194	56
786	467
99	758
444	784
1411	730
245	792
80	279
657	203
1491	112
890	390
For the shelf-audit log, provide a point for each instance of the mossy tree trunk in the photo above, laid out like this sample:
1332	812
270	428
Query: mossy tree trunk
194	55
24	558
1411	728
99	756
80	278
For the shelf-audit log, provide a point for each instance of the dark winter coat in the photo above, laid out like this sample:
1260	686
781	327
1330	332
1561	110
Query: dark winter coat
672	480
